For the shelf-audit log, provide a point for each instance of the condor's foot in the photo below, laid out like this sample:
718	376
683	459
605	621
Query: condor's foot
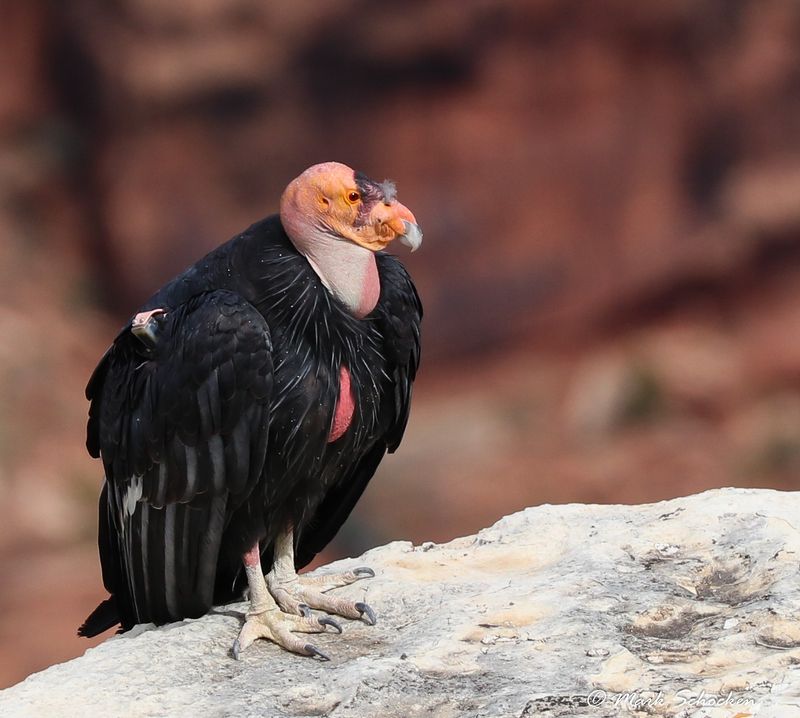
281	628
297	594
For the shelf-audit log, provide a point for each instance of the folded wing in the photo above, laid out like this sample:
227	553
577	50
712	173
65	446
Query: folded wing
180	420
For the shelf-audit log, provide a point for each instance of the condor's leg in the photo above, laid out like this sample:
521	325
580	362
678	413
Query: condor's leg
296	594
266	620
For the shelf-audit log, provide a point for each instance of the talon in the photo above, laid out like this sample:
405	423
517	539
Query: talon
301	594
327	621
236	650
367	614
312	650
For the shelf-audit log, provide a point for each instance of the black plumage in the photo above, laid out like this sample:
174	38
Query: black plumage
214	432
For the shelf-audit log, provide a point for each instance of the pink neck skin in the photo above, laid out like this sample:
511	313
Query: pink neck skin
348	271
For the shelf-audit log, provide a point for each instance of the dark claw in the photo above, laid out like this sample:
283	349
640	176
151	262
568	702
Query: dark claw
364	571
305	611
327	621
312	650
367	614
236	650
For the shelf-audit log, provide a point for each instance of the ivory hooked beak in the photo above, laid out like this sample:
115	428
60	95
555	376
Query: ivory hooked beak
412	237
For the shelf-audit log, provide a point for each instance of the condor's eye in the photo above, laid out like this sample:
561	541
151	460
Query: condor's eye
353	197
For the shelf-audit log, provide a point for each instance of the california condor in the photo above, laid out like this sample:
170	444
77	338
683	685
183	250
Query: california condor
243	409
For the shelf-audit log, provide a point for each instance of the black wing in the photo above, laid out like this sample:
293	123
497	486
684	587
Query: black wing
181	425
397	318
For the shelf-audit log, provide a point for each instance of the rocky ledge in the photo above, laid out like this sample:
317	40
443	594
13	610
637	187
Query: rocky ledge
688	607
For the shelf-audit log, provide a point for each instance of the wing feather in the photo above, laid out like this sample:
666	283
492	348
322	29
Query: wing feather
182	430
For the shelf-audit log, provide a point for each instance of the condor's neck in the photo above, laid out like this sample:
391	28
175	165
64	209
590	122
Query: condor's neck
348	271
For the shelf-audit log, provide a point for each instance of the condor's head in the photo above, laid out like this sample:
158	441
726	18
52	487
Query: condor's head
332	200
338	219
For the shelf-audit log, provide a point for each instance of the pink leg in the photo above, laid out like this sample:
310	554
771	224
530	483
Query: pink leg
260	598
266	620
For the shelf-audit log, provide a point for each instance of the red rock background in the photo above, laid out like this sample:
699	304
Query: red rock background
611	269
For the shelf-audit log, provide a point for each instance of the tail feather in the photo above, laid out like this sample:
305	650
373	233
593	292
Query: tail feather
103	617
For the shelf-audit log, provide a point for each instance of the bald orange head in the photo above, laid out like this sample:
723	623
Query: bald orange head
333	199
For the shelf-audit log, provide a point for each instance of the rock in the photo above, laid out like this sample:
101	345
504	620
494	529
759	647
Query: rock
687	607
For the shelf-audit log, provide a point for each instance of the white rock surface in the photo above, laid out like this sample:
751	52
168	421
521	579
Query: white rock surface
687	608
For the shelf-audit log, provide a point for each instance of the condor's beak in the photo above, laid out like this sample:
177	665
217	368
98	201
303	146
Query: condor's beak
402	222
412	237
